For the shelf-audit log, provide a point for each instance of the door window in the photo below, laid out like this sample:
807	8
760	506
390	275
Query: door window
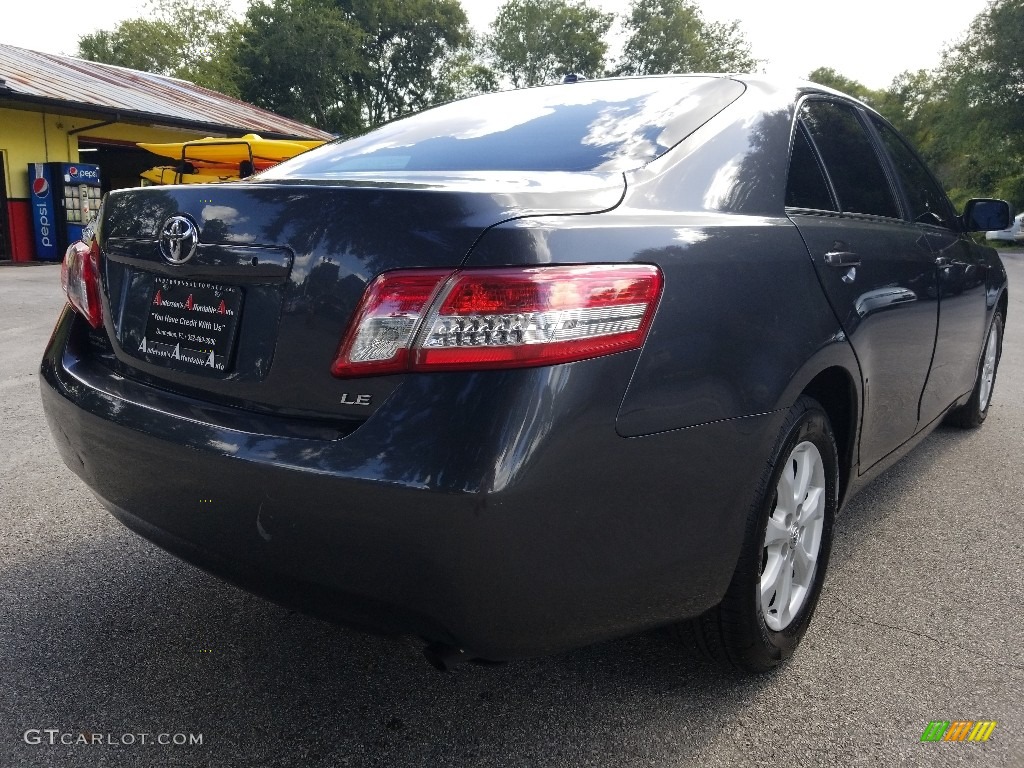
850	158
807	186
928	203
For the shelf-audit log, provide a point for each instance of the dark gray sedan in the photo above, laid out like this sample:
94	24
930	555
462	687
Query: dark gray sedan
536	368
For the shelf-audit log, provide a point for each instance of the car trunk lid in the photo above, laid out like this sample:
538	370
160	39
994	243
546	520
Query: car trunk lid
254	315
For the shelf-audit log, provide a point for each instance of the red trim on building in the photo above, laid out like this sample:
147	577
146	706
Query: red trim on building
19	218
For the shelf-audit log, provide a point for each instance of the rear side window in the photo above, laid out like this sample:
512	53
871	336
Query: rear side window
850	159
806	187
598	125
928	203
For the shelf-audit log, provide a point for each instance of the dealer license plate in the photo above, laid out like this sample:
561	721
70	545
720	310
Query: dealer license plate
191	325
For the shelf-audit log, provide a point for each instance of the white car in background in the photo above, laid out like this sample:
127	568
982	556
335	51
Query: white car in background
1014	234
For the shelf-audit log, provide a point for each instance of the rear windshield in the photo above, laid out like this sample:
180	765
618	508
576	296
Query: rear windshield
598	125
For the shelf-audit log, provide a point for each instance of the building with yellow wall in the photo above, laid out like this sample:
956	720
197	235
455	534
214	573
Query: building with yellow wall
62	109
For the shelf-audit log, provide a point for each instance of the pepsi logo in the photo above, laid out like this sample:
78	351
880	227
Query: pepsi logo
73	171
40	187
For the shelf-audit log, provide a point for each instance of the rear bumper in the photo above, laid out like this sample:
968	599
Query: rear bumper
498	512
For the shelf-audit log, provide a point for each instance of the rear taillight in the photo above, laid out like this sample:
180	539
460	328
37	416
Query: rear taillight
420	320
80	279
381	332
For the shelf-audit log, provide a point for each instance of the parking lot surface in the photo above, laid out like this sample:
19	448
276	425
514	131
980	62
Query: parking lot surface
103	636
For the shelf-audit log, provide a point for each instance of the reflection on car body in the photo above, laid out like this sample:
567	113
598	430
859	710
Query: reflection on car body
882	298
1012	234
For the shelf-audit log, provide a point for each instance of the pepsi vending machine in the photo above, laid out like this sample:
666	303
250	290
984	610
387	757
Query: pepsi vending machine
65	197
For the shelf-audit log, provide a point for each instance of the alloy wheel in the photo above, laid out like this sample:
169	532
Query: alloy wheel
988	370
793	537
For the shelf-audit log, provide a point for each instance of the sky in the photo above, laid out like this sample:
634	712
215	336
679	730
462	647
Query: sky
871	41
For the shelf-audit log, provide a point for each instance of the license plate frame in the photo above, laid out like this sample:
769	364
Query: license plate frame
191	325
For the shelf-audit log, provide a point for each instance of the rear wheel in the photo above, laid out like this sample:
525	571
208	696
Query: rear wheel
781	568
974	411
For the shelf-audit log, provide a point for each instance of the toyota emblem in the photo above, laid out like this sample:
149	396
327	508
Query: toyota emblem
178	239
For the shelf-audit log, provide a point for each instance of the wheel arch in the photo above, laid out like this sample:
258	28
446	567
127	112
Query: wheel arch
832	377
834	389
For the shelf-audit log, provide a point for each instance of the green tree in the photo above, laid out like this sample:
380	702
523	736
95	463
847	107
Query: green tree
980	134
345	65
914	103
140	44
465	72
987	67
909	102
966	117
404	48
297	58
193	40
829	77
540	41
672	36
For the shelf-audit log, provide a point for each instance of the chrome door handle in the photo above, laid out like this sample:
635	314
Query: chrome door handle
842	259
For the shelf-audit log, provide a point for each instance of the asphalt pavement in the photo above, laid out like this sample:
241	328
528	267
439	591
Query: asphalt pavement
110	644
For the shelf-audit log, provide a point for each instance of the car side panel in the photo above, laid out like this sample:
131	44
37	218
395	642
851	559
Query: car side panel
888	307
965	271
741	313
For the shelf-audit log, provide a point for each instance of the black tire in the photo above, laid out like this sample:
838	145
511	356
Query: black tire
972	413
736	633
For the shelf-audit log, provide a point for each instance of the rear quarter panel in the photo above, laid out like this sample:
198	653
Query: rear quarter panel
741	315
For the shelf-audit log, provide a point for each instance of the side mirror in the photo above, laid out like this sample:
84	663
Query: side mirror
985	214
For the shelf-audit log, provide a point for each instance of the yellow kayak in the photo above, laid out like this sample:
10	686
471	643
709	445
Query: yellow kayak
168	174
263	152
